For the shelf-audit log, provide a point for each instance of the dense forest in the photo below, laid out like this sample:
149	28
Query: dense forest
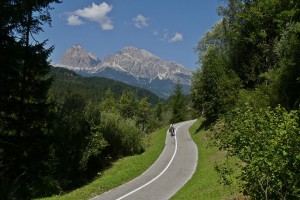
59	130
248	89
92	88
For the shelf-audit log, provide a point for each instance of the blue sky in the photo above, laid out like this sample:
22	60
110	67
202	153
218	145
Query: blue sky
170	29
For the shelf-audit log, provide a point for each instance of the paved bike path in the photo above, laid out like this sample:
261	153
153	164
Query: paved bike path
167	175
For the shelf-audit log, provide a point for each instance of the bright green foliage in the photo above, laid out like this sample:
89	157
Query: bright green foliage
268	141
257	98
92	155
128	105
109	103
178	105
252	29
215	88
122	135
252	57
144	114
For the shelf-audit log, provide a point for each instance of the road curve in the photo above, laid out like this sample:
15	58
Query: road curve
167	175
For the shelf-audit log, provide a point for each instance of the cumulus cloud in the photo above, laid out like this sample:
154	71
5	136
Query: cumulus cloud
74	20
165	36
177	37
95	13
140	21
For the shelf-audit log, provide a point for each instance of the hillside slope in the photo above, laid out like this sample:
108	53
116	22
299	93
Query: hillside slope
92	88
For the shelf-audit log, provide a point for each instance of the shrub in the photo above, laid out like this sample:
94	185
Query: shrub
268	142
122	135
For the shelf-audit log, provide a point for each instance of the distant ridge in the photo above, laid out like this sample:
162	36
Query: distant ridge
131	65
92	88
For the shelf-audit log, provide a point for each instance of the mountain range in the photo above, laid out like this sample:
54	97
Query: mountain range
131	65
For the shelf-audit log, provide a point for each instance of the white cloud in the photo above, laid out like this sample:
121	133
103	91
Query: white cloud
140	21
177	37
166	36
95	13
74	20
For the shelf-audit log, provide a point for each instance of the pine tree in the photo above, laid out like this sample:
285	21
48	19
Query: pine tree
128	105
178	105
158	111
109	103
23	102
143	114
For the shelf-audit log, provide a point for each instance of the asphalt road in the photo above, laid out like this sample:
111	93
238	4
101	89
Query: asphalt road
167	175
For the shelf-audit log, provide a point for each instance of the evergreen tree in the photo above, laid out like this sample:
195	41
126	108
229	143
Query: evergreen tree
143	114
128	105
109	103
71	135
158	111
178	105
23	102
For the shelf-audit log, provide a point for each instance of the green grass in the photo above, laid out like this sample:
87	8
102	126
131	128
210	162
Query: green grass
204	184
122	171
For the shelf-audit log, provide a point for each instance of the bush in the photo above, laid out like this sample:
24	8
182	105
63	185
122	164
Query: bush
123	136
268	142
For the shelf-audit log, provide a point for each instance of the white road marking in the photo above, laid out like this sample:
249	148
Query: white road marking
161	173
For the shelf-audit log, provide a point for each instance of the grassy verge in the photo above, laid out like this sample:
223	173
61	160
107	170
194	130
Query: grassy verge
205	182
122	171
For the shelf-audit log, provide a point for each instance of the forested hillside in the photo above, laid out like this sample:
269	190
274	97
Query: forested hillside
248	88
92	88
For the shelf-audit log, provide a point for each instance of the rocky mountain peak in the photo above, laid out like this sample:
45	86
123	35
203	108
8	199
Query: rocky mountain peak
130	48
138	52
143	64
77	46
77	57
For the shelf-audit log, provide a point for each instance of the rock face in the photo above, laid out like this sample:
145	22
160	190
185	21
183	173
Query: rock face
142	64
76	57
130	65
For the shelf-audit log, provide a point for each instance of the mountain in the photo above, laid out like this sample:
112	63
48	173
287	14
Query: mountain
142	64
133	66
76	58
